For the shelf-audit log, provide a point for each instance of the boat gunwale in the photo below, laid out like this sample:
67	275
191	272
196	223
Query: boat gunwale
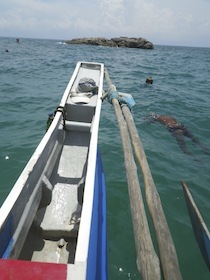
86	215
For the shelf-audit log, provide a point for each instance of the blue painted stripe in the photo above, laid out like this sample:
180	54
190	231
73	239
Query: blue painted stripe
97	254
6	239
8	250
207	247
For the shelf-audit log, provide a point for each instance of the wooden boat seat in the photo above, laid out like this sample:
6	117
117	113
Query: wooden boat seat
79	115
81	126
56	221
60	231
92	101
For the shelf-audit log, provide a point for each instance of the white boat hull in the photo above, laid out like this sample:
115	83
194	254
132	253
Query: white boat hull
50	214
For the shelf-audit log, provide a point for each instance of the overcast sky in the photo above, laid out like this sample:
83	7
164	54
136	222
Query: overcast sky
164	22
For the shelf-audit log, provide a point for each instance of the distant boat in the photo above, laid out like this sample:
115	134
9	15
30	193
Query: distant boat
53	222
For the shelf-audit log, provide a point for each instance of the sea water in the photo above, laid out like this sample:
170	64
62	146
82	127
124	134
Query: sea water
33	77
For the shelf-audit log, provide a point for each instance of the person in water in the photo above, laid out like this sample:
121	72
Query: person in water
178	131
149	80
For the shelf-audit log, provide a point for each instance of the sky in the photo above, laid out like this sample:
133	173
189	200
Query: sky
162	22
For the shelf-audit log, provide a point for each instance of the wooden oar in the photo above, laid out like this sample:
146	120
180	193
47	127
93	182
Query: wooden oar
200	229
169	261
147	260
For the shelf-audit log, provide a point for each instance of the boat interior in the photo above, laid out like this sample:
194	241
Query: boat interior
54	231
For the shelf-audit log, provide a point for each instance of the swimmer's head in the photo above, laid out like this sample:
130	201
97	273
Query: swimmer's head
149	80
151	117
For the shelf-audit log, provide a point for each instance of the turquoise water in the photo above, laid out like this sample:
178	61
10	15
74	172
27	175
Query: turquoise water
33	77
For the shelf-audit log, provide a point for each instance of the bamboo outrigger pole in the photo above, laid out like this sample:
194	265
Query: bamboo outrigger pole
147	260
168	257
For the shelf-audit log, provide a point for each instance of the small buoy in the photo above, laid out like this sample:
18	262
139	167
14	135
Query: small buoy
6	157
149	80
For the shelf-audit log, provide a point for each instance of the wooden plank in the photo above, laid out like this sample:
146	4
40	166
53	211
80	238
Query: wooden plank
200	229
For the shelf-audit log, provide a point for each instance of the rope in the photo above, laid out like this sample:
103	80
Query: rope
62	110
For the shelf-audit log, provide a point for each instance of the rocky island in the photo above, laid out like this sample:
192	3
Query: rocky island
125	42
